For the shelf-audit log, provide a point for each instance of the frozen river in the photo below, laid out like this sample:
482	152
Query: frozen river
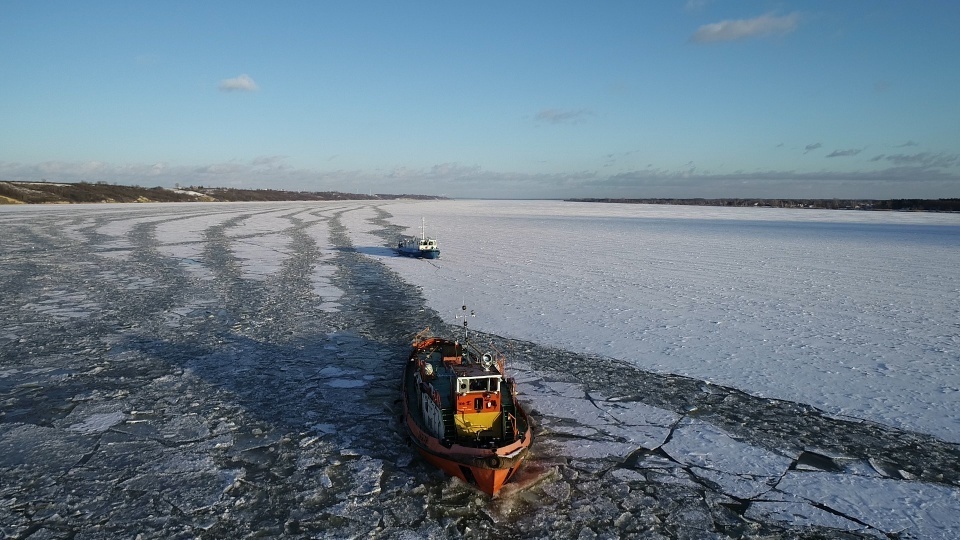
231	370
856	313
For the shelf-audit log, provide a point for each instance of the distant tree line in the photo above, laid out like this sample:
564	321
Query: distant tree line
252	195
85	192
919	205
99	192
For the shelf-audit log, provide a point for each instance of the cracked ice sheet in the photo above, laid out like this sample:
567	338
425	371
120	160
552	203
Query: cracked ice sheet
742	470
42	449
918	509
746	472
603	429
99	422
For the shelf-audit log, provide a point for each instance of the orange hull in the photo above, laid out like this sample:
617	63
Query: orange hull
487	480
488	470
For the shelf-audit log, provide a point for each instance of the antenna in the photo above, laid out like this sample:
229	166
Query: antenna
464	316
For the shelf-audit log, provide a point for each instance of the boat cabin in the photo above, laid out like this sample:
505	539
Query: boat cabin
478	402
466	397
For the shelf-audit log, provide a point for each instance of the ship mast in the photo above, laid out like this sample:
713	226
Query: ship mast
464	317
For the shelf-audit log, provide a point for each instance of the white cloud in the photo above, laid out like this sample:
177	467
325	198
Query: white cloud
243	83
733	30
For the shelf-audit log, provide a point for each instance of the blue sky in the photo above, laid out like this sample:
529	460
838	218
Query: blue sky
552	99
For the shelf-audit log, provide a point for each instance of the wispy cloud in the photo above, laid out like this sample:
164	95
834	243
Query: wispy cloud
562	116
269	162
221	169
811	147
243	83
695	6
440	171
733	30
845	153
922	159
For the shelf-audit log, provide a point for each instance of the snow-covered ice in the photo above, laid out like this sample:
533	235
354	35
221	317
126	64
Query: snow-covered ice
205	369
853	312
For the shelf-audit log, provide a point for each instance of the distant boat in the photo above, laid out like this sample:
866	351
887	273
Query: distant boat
422	247
462	413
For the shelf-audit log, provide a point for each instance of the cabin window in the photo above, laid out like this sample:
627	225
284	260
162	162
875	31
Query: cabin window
478	384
